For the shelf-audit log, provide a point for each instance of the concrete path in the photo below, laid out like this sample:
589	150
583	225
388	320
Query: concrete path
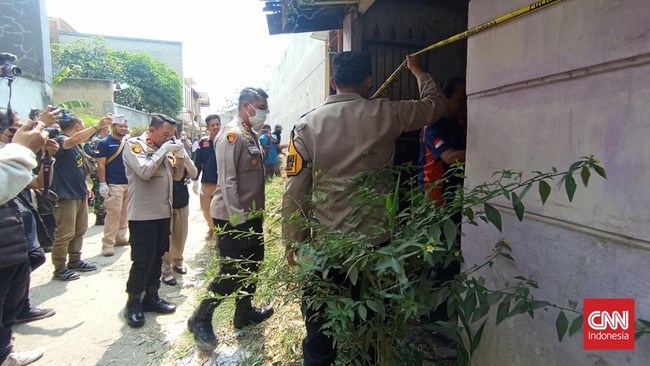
89	326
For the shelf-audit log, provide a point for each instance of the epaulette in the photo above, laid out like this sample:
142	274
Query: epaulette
306	113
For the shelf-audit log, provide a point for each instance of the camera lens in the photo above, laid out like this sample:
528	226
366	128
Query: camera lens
15	70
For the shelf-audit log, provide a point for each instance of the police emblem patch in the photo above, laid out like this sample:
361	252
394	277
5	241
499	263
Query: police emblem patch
136	149
294	160
231	137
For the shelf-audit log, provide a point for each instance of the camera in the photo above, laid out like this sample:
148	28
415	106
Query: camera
52	132
64	114
8	68
34	114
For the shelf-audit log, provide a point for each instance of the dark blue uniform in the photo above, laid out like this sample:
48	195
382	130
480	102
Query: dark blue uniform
206	161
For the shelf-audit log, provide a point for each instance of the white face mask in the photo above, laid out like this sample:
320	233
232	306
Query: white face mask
257	121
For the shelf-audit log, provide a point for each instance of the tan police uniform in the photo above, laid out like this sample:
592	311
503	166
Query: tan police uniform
240	168
347	136
150	182
150	175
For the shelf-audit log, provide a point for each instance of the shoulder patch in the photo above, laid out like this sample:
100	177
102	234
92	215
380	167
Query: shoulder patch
231	137
136	148
294	160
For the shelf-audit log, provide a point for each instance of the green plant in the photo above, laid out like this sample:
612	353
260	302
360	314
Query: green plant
392	279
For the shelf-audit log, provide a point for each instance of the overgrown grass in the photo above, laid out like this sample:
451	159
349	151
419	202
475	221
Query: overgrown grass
274	342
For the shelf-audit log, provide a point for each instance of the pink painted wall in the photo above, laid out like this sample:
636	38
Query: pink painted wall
568	81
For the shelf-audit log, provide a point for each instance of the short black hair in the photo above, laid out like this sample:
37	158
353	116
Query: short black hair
5	119
351	68
449	86
66	125
159	119
211	117
251	95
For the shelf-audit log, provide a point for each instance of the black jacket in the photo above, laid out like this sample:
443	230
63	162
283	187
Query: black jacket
13	242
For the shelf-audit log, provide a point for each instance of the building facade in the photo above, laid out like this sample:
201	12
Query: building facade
571	80
24	34
299	82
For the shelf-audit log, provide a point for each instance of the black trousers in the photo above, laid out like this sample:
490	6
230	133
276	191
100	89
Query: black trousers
241	249
36	259
149	241
50	224
317	348
14	283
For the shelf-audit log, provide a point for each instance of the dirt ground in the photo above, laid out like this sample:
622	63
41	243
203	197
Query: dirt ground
89	326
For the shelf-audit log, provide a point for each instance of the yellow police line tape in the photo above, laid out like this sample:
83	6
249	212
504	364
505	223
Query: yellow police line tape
480	28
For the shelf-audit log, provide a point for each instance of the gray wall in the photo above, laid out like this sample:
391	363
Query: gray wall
168	52
569	81
94	91
24	32
298	83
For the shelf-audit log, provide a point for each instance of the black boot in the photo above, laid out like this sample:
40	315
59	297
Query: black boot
154	304
200	323
99	220
246	314
133	312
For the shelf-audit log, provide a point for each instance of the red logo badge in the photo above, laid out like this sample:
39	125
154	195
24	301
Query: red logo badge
608	324
231	137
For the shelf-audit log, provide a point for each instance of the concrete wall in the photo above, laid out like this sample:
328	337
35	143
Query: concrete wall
23	32
94	91
99	93
168	52
134	117
299	82
569	81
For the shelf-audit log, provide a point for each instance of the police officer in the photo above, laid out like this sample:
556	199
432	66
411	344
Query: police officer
206	164
237	208
349	135
152	162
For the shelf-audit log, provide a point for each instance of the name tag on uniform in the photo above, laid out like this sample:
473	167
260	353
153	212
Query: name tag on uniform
253	150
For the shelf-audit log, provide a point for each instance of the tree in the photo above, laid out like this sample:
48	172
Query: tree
153	86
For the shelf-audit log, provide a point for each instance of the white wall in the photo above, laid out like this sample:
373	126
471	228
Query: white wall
569	81
299	83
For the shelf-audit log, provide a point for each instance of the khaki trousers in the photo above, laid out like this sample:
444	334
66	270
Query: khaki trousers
115	223
207	192
72	222
180	223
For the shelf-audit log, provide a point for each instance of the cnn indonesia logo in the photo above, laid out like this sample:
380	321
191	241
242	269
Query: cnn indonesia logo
608	324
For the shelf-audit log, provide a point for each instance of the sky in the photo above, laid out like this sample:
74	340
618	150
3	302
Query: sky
226	44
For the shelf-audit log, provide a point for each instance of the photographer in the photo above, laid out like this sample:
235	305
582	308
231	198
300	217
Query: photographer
69	184
34	227
18	160
45	201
